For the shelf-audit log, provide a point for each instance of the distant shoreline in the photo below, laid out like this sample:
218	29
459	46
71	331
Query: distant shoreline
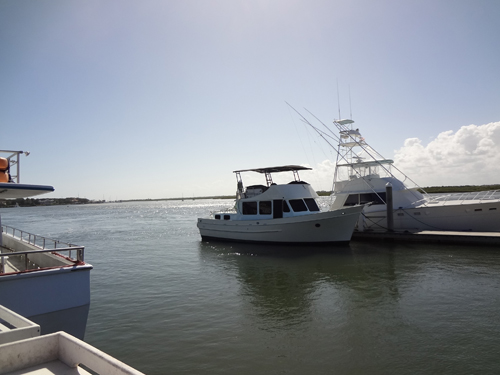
32	202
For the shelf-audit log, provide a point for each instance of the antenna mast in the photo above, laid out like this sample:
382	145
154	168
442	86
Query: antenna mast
338	99
350	106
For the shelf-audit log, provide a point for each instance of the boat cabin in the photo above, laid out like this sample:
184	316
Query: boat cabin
272	201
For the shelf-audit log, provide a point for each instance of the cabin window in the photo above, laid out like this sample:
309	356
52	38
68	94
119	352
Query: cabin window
249	208
311	204
375	198
227	217
286	207
352	200
298	205
265	208
217	217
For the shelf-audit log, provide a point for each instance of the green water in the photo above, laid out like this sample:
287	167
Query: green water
164	302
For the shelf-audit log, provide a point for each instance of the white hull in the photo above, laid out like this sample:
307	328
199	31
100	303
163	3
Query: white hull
323	227
475	217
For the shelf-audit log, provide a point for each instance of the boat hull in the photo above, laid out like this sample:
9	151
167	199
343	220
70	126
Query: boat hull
58	298
318	228
475	217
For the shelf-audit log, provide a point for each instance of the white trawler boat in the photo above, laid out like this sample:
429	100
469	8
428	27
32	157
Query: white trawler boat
280	213
46	281
362	176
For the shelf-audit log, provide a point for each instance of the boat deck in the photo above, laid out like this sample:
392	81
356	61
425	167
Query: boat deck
21	251
24	351
427	236
12	264
51	368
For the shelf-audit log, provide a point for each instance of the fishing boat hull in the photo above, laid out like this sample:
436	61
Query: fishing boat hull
363	176
318	228
452	216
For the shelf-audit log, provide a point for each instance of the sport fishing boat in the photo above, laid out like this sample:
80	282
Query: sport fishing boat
362	175
44	280
279	213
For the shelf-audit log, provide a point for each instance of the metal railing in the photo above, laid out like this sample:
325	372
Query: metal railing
463	197
45	245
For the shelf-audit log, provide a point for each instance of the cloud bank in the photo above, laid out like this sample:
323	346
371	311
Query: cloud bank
471	156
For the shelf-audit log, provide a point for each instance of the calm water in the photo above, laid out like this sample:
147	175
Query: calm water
164	302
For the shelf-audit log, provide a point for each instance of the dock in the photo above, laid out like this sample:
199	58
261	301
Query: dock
428	236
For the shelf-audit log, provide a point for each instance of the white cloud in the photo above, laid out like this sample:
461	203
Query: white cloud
471	156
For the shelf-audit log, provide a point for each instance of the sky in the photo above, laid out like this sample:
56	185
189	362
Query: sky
123	99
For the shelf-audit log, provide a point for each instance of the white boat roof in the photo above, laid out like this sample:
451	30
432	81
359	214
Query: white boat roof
10	190
284	168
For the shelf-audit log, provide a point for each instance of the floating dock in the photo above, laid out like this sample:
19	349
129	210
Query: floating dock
428	236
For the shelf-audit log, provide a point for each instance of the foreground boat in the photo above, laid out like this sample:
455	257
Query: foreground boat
279	213
362	175
44	280
24	351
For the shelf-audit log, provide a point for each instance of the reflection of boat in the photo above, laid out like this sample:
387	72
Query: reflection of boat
44	280
287	285
279	213
362	176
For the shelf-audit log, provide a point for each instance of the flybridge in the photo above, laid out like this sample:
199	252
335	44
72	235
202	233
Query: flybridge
267	171
284	168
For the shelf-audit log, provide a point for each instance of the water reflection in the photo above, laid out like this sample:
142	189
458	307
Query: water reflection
285	285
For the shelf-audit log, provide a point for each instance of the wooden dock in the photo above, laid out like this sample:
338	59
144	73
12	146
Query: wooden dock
457	238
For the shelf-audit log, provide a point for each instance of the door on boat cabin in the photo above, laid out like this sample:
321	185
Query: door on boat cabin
277	209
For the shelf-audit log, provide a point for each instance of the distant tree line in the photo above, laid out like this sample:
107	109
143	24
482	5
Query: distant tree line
31	202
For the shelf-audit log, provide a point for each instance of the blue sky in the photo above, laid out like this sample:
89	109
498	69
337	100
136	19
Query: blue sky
159	99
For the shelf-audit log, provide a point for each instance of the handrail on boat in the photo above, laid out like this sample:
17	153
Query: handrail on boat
463	197
41	243
35	239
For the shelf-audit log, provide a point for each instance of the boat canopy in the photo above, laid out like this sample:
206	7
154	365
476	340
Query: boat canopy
12	190
284	168
10	186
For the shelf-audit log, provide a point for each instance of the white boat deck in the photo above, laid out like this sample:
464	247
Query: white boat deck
23	351
51	368
11	264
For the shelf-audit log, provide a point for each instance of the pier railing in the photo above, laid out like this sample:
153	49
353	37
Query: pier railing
41	245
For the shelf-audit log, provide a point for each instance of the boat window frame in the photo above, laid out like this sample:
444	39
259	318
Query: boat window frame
286	207
311	204
249	208
363	198
265	208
